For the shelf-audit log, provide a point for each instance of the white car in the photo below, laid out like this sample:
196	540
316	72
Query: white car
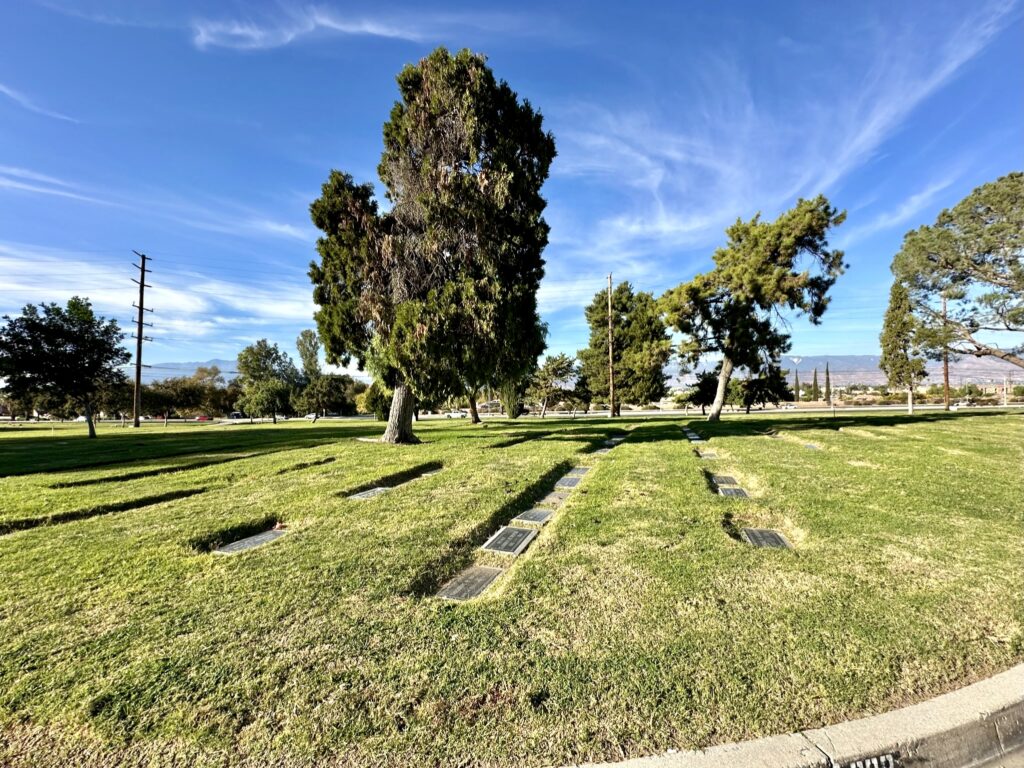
456	414
310	417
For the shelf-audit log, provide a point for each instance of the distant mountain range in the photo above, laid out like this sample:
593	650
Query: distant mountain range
863	369
843	369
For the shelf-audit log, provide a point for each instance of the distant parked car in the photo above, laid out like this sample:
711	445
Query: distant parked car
789	407
965	404
202	418
236	415
456	414
310	417
80	418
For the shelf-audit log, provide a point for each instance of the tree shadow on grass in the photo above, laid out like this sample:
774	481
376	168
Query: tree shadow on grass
458	554
211	541
42	454
395	479
762	426
102	509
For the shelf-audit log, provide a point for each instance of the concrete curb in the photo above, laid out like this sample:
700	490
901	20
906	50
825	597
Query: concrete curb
961	729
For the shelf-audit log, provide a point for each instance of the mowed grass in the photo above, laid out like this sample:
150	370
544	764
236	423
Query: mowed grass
636	622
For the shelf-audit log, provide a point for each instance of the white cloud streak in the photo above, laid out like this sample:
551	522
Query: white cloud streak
25	102
221	217
305	22
733	155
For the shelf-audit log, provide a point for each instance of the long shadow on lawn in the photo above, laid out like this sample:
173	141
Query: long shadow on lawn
459	553
101	509
153	472
38	455
761	426
396	479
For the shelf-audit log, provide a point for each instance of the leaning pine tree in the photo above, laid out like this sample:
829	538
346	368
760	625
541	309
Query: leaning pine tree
765	268
430	293
901	359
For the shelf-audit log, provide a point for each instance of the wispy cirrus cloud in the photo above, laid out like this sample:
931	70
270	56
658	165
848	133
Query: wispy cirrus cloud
288	25
680	179
899	215
208	215
25	102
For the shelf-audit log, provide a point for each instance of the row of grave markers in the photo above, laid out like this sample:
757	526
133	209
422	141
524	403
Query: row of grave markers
512	540
726	485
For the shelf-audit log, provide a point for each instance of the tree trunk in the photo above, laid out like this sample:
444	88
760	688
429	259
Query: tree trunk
543	407
474	415
273	416
399	429
88	420
723	387
910	401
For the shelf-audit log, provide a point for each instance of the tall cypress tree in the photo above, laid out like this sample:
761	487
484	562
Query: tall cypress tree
438	294
828	386
901	359
796	385
815	391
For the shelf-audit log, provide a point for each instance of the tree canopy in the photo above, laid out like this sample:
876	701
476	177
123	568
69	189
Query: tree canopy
61	353
973	257
553	381
439	291
640	347
765	268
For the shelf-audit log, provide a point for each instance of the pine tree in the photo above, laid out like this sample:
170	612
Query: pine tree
828	386
765	268
815	391
796	386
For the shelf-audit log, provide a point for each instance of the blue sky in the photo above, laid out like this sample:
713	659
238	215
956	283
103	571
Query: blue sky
200	132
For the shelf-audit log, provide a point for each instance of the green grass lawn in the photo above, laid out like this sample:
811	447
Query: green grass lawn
636	621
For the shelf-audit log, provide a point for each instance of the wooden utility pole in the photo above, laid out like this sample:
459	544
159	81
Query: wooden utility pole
139	336
611	369
945	358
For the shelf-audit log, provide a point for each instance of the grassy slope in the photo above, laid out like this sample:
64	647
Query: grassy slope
634	623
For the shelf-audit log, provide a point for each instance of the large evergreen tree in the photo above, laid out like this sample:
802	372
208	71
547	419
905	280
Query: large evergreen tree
828	386
640	347
965	273
901	359
63	354
815	389
439	293
766	267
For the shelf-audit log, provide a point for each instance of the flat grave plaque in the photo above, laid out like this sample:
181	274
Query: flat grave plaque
603	450
567	482
765	537
616	440
509	540
369	494
470	583
696	440
707	454
812	447
724	480
736	493
249	543
534	516
577	472
554	499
